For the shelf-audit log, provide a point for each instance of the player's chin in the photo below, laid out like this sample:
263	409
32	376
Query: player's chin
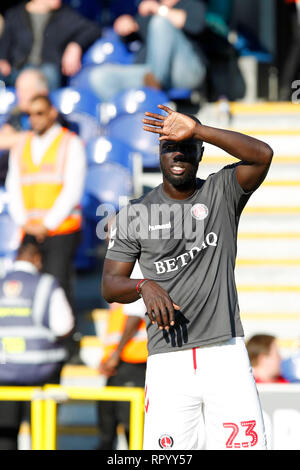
183	180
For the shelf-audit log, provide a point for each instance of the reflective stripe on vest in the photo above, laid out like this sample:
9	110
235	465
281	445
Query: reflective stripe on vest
135	350
40	299
33	343
34	357
42	183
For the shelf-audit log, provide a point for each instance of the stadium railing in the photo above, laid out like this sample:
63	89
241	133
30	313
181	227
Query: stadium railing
44	402
36	397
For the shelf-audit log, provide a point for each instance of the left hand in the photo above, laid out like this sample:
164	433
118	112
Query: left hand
40	232
148	7
109	367
71	59
175	126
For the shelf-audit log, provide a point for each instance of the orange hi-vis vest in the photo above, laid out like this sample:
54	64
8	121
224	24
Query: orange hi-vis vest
135	350
41	184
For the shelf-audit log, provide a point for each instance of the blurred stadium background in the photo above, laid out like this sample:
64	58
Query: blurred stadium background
268	263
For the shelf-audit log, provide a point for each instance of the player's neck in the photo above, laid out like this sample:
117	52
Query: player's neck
179	192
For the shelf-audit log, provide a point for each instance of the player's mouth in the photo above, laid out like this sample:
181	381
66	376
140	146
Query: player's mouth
177	169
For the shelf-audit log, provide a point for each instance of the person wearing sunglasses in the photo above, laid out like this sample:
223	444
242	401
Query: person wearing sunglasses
45	182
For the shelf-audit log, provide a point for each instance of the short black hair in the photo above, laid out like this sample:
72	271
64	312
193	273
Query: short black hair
29	248
44	98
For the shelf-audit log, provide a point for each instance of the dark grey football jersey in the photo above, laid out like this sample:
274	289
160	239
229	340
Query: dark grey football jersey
189	248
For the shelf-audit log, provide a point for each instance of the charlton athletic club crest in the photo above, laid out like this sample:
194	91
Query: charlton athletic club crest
166	441
199	211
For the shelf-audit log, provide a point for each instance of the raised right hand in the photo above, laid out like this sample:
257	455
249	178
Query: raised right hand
175	127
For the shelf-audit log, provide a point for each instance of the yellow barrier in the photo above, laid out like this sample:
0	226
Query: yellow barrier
35	395
44	409
56	393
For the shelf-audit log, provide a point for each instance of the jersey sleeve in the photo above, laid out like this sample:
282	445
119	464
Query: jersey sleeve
235	196
123	244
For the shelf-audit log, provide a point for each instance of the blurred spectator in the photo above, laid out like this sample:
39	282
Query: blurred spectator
123	363
29	83
292	63
170	56
265	359
31	327
6	4
219	15
47	35
45	183
224	80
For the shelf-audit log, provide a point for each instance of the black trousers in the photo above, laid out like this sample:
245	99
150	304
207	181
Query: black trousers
12	413
58	255
112	413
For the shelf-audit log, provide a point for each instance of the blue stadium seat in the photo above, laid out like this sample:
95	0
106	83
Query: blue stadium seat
2	120
107	49
70	99
86	256
290	367
10	235
132	101
179	94
103	150
129	129
3	201
8	100
109	176
81	108
9	241
110	34
82	79
248	45
105	184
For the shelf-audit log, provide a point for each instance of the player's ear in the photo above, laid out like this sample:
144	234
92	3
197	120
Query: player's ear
54	113
201	153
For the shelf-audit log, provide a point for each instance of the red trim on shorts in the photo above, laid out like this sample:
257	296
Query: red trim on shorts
194	359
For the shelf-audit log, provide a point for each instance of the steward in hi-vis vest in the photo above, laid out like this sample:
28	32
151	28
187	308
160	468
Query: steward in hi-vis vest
45	184
34	312
42	183
135	351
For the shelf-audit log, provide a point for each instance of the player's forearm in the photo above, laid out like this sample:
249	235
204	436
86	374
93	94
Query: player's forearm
238	145
119	289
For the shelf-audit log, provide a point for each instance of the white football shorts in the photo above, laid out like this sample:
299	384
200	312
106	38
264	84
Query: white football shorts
203	398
